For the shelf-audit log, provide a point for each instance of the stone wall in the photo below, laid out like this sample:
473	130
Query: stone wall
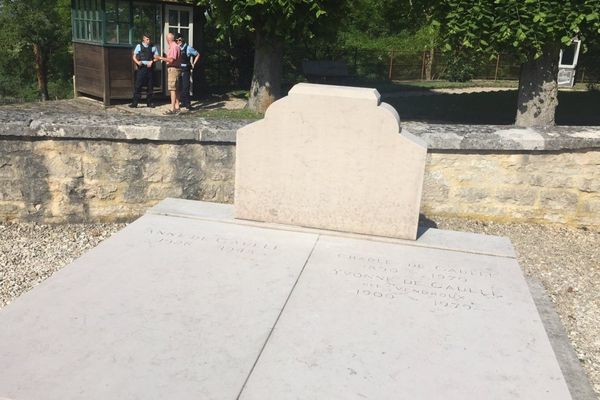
556	187
83	180
107	168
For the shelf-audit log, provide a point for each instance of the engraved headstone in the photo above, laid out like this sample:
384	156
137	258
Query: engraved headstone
391	321
331	157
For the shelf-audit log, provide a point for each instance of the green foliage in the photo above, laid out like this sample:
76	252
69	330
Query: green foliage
522	27
403	26
460	69
405	41
281	18
46	23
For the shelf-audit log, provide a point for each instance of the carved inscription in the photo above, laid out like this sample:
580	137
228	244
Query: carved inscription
228	245
444	286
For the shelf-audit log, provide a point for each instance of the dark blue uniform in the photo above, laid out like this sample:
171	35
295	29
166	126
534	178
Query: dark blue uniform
144	74
187	53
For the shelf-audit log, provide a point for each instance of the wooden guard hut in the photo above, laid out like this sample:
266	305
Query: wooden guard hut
105	32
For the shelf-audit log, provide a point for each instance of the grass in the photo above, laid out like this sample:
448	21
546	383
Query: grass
228	114
398	86
384	87
440	84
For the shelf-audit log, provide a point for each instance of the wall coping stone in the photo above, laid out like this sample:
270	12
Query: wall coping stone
102	125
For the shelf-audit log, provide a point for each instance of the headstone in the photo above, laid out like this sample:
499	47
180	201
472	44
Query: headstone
331	157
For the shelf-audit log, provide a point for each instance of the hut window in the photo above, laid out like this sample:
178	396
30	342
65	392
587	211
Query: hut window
118	17
146	19
87	20
179	22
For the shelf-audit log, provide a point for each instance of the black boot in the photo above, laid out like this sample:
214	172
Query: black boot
134	101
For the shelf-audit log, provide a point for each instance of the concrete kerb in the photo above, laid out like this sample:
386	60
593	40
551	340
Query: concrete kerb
439	137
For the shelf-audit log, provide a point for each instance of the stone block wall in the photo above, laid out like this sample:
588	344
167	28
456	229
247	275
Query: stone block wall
84	181
63	167
555	187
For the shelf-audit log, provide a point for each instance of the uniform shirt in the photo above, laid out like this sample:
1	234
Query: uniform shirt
138	50
189	52
174	53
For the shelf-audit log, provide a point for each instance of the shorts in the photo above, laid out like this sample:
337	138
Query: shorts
173	78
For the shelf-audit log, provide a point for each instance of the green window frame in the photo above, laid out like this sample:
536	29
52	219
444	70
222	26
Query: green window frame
118	21
87	20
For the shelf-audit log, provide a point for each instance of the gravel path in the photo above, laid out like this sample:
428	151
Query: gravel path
565	260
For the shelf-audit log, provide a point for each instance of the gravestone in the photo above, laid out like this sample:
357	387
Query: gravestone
331	157
189	302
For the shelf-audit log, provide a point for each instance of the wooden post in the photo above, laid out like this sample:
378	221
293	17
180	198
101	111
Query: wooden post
106	77
497	65
391	65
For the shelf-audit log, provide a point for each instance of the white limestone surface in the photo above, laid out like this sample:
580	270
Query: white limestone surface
188	303
372	320
331	157
169	308
431	238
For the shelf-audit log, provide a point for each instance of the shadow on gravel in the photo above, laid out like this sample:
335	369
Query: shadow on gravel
496	108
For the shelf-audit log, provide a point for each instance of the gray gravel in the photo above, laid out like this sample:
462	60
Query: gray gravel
565	260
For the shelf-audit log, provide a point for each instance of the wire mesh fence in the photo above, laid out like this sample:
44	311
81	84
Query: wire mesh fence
226	68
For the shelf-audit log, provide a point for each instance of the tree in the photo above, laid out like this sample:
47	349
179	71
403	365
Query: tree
533	30
37	28
273	24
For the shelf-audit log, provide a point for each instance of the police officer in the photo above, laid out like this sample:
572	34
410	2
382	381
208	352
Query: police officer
143	56
189	59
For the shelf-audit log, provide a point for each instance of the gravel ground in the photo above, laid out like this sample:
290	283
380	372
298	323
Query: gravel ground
565	260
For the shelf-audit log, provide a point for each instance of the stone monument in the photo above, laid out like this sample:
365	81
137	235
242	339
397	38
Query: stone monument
188	302
331	157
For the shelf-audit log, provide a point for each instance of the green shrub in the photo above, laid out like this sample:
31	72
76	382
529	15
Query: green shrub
460	68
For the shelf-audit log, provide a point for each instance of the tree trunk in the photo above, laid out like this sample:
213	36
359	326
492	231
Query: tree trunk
41	71
429	64
538	90
266	77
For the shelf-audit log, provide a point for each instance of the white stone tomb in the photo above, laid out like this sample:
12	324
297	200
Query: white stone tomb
189	303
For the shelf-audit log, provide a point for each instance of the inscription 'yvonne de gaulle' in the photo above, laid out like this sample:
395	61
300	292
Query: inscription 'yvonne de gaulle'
443	285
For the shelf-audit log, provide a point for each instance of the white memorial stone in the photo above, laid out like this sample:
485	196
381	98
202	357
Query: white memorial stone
189	303
169	308
371	320
331	157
